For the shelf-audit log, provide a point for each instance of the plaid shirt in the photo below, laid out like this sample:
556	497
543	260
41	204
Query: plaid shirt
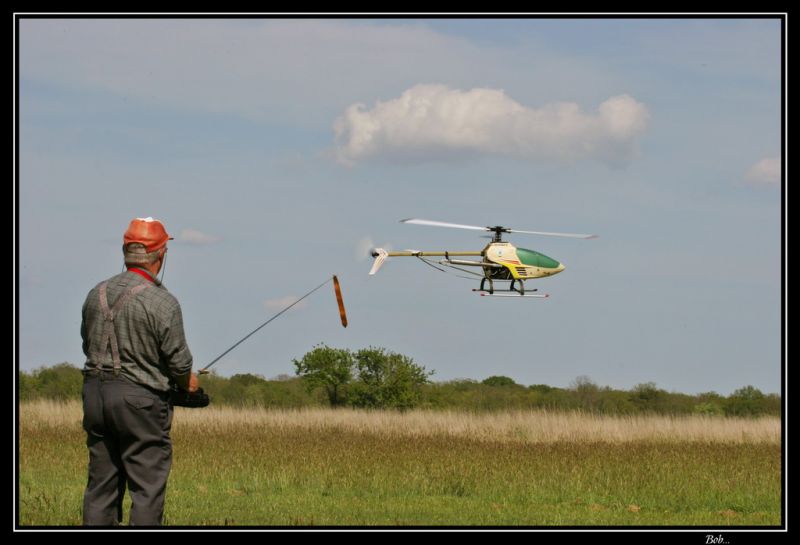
149	330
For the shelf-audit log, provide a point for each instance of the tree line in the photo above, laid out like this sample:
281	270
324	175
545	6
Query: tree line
380	379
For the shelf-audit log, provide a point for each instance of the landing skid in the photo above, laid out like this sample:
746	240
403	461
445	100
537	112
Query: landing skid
506	294
510	293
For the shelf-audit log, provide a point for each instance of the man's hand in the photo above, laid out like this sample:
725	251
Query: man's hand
193	384
192	396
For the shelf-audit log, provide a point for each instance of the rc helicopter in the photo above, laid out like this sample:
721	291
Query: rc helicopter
501	261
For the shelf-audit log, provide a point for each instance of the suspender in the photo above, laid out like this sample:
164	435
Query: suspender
109	335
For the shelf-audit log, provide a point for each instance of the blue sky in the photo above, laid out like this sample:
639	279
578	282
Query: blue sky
275	151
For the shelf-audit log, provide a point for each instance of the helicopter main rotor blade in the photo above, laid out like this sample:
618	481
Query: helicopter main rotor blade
443	224
570	235
499	229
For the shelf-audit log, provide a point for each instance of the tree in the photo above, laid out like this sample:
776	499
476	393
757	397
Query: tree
62	382
246	389
27	386
497	380
586	392
328	368
541	388
708	408
709	403
745	401
647	397
387	379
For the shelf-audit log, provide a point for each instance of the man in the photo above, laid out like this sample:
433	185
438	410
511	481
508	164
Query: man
135	348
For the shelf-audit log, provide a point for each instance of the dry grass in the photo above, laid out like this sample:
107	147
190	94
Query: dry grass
423	468
512	426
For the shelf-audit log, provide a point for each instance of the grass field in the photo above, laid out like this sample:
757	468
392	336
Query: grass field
355	468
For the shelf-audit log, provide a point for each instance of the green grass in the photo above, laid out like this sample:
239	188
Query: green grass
284	476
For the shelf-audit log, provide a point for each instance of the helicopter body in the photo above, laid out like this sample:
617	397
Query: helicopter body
500	260
518	263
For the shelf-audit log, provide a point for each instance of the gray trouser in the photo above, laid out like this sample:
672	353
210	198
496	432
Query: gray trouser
127	428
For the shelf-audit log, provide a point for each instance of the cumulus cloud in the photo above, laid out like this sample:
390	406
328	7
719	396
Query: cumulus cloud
283	302
192	236
434	122
766	172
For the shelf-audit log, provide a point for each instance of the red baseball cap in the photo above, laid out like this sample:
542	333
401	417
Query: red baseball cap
147	231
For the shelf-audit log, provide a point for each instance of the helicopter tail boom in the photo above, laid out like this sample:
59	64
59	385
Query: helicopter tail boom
380	256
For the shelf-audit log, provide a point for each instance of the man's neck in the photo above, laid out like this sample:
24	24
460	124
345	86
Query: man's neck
150	269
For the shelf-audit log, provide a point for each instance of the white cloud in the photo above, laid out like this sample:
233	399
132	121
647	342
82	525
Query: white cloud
283	302
192	236
435	122
766	172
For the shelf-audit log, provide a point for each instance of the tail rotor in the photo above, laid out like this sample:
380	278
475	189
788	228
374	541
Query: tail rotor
380	256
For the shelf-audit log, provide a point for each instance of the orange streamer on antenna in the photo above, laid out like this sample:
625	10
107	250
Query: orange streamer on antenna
342	313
